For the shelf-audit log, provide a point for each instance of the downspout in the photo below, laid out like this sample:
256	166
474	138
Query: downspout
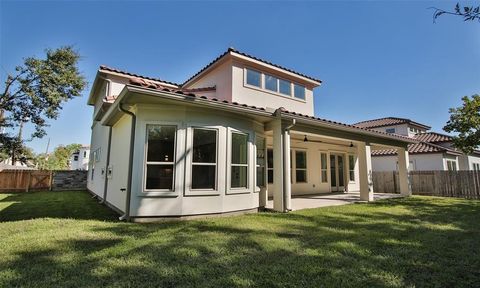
287	185
126	216
107	164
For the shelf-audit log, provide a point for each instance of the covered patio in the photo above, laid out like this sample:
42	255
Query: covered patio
330	199
322	163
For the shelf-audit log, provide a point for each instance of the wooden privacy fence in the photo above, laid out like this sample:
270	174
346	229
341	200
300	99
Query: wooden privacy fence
28	180
464	184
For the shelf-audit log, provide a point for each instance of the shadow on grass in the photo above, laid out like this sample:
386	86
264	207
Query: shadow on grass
392	243
49	204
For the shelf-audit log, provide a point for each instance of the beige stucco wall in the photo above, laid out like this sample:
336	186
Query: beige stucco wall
314	184
98	142
183	201
220	77
119	157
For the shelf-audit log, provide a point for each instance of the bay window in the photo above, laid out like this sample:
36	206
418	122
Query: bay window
160	158
204	159
239	160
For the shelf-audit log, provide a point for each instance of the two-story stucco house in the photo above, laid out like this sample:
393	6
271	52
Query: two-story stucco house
237	132
79	159
433	151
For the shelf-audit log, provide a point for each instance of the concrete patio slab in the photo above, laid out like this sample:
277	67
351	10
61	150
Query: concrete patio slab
330	199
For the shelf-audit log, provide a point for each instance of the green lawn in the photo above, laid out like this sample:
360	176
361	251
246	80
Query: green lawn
66	239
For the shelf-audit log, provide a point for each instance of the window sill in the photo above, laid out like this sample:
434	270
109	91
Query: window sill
158	194
193	193
234	191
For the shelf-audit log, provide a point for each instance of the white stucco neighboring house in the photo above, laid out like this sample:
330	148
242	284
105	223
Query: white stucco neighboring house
79	159
433	151
239	131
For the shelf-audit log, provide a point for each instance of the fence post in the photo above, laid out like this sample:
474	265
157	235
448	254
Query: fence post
50	182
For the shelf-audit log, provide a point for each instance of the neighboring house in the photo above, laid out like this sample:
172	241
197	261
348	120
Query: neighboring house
434	151
80	158
236	132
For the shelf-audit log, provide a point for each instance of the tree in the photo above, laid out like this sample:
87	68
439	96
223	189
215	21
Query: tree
465	121
36	93
468	13
59	159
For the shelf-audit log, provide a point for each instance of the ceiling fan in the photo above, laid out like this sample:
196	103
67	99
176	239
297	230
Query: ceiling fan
305	139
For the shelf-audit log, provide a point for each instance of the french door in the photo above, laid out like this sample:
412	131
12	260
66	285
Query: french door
337	172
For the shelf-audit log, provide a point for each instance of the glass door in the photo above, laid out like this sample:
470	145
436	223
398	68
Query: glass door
337	172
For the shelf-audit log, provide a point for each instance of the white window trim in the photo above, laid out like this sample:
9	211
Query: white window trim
189	191
264	148
293	160
250	177
160	192
262	86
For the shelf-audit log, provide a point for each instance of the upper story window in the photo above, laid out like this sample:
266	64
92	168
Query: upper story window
274	84
271	83
390	130
299	91
285	87
254	78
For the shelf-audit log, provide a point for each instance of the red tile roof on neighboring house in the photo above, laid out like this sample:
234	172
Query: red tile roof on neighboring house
433	137
417	148
388	121
146	84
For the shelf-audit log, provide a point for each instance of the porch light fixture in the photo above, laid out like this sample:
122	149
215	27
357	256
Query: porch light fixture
351	144
305	139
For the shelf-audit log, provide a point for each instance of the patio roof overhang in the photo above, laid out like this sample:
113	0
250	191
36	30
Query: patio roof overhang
133	95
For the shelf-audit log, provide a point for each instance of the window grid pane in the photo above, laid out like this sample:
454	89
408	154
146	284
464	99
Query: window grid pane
159	164
271	83
285	87
299	91
254	78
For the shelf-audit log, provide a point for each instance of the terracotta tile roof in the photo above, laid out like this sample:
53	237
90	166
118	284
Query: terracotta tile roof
416	148
106	68
261	109
433	137
229	50
387	121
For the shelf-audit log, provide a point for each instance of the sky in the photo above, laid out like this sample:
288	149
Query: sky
376	58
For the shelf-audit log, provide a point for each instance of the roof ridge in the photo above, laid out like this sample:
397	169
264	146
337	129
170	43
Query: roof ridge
383	118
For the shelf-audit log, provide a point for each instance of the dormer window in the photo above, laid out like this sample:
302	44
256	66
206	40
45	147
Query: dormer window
271	83
285	87
254	78
299	91
274	85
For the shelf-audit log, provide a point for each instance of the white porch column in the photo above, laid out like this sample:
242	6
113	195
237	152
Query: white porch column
365	171
277	166
403	162
287	175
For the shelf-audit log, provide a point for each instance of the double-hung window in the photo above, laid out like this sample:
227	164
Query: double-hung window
239	160
285	87
260	143
452	165
160	158
323	167
300	166
351	168
204	159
